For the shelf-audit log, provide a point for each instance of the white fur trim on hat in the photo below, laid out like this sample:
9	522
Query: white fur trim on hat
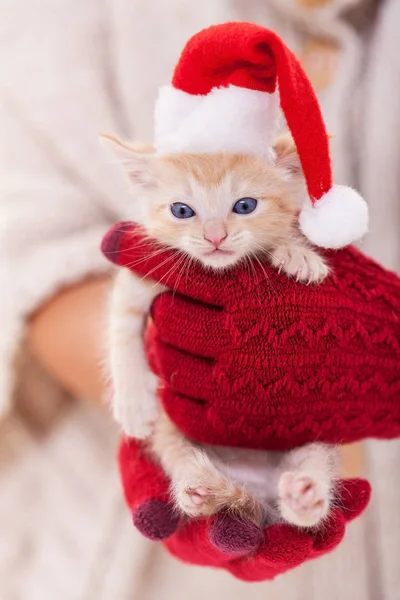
338	219
228	119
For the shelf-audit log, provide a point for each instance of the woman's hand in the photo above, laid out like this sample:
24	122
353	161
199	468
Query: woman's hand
237	546
252	358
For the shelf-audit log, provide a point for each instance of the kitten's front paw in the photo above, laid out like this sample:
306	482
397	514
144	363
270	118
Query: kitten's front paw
304	498
137	409
303	263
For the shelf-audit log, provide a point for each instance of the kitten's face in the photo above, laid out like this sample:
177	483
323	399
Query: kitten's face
215	208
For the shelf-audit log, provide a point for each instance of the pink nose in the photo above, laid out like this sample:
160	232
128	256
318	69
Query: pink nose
215	232
215	239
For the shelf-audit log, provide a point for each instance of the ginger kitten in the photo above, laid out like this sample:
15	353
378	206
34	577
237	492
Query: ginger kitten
219	210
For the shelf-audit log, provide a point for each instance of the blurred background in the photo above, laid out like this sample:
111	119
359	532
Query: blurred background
68	70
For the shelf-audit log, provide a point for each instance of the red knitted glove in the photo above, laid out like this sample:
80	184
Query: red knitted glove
249	365
251	358
240	548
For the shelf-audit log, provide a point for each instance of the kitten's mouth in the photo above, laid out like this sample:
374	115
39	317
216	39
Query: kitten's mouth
219	252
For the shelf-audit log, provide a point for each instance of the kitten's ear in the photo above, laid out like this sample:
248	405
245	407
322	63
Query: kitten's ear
136	160
287	157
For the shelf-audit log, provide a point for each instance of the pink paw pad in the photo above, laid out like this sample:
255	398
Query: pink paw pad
197	495
304	502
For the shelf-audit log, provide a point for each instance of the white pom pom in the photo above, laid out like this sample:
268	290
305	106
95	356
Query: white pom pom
339	218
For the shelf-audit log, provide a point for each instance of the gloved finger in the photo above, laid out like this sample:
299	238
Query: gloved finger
156	519
192	544
329	533
146	491
234	536
189	414
352	497
219	423
186	374
142	479
284	547
192	327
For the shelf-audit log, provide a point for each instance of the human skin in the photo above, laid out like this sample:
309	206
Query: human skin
67	336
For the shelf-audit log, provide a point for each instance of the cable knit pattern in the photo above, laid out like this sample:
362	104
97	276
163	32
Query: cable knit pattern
258	360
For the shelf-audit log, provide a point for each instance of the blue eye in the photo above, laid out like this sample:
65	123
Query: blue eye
182	211
245	206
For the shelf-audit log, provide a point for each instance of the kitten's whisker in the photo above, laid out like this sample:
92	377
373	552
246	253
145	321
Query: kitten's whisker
189	264
143	242
261	265
255	277
172	272
247	264
150	255
265	274
144	259
172	269
264	250
180	274
181	263
159	266
257	258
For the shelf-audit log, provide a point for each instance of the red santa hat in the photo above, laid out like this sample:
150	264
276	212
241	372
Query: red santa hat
225	96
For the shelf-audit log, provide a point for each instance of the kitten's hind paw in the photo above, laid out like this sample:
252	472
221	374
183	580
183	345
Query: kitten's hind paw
303	500
196	500
205	491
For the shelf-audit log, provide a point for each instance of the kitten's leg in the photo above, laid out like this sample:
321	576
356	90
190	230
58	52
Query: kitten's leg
135	405
298	260
306	485
199	488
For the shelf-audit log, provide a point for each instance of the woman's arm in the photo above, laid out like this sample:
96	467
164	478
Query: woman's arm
58	193
67	336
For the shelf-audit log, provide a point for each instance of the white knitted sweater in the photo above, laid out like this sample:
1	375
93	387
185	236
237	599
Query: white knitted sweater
71	69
